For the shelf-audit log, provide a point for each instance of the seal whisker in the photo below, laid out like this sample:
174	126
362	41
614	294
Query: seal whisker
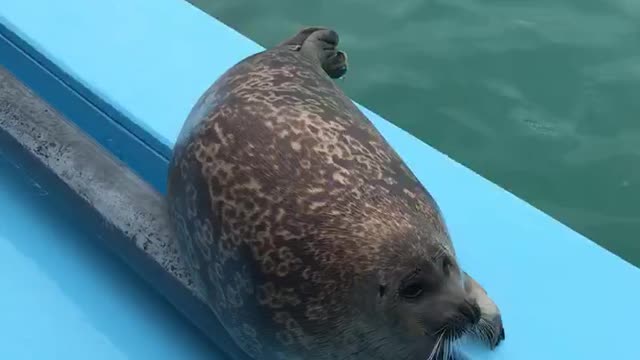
446	348
436	348
441	329
441	348
480	332
487	329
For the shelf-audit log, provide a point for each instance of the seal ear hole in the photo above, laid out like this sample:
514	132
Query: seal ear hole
447	265
382	290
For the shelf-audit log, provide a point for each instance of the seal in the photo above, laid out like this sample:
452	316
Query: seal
305	232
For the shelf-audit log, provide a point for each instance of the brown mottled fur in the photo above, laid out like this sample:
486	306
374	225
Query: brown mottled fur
288	204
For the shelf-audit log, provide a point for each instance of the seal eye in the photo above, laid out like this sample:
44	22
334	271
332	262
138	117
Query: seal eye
412	291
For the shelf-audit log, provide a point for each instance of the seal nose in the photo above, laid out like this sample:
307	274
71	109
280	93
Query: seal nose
471	311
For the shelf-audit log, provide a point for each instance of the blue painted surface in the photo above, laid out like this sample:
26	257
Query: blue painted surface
115	40
73	100
63	296
562	296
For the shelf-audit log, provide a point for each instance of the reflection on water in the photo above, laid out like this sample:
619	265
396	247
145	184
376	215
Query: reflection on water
538	96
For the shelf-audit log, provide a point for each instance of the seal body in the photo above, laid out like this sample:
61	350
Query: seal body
306	233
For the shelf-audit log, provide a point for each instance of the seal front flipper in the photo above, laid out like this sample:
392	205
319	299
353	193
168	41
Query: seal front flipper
489	329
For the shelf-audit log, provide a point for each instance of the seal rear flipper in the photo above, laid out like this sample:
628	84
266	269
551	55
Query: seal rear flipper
320	44
298	39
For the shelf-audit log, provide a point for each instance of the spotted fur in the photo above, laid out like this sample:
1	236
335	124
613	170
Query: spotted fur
285	198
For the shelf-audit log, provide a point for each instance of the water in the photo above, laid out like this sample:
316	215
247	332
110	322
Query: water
536	95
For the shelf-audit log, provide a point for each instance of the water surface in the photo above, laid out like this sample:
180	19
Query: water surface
536	95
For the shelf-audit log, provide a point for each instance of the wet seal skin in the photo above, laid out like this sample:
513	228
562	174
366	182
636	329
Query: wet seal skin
304	230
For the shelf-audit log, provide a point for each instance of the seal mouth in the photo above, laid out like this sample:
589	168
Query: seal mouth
453	330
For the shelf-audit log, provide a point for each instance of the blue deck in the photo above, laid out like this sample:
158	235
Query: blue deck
63	296
137	67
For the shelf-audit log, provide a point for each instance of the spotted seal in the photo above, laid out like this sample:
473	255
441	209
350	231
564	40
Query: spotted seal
304	230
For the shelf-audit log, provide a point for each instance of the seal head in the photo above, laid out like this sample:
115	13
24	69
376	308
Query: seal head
304	230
